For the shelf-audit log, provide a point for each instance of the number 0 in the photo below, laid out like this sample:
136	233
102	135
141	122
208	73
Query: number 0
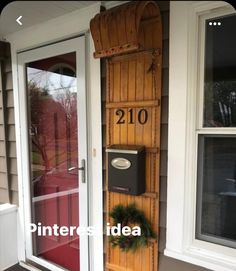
142	116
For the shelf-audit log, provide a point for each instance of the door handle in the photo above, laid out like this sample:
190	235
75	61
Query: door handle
72	168
78	168
82	169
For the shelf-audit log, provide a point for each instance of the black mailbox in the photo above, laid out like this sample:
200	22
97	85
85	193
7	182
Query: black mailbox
126	169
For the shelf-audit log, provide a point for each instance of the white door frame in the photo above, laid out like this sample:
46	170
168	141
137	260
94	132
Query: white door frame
73	45
57	29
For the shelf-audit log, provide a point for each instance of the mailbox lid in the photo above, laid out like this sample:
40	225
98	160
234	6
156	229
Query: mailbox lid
129	149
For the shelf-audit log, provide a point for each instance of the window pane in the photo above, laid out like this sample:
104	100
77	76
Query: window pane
216	216
220	73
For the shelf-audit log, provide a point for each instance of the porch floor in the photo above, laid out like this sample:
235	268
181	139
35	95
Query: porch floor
16	267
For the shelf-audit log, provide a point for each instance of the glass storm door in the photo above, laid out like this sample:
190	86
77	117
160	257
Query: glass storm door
55	102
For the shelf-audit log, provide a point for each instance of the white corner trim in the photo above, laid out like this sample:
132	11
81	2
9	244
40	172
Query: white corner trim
7	208
8	236
177	123
182	147
95	157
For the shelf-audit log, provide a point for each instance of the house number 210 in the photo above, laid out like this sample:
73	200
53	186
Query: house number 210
142	116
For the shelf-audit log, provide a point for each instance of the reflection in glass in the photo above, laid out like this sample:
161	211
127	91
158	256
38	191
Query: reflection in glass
52	92
220	73
216	216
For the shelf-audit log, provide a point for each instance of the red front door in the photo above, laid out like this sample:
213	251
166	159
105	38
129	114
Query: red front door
54	156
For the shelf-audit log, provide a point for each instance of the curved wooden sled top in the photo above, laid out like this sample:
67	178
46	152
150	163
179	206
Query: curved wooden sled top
134	26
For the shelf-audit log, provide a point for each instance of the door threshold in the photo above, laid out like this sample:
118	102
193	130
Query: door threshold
31	267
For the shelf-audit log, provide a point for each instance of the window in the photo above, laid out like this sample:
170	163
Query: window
220	72
201	190
216	173
216	216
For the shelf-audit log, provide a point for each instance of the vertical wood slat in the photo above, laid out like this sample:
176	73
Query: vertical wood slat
3	97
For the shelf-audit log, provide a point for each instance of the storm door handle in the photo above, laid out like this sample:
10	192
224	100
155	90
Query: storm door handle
82	168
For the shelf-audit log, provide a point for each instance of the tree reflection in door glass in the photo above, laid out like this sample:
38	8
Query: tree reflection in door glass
52	92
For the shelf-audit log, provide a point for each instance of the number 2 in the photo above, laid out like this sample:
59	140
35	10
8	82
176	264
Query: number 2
121	114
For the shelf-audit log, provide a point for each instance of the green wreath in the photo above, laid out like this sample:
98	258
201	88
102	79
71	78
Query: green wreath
126	216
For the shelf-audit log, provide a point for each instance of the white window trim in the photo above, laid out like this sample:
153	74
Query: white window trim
182	143
57	29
